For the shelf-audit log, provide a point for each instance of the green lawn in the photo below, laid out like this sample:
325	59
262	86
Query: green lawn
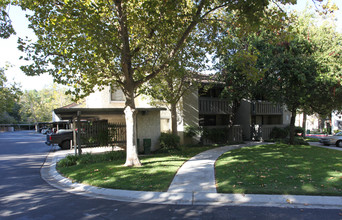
156	174
265	169
280	169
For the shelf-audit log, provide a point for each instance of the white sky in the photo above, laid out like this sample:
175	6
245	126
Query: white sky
10	54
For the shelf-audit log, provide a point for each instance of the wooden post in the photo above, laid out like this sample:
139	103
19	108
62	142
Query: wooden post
79	132
74	134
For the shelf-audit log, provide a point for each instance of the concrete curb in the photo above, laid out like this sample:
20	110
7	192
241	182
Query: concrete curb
51	176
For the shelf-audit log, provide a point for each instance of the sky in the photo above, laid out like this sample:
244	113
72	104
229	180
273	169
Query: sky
9	54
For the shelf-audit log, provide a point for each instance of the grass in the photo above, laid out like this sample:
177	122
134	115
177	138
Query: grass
311	139
107	171
265	169
280	169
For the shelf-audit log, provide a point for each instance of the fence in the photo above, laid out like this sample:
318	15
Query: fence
221	134
16	127
117	134
102	133
262	132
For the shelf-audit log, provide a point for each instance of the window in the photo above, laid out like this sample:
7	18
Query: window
117	95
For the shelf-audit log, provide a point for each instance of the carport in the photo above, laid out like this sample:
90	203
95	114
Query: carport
148	121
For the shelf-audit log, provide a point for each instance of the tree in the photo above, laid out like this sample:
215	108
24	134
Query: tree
37	106
9	95
238	57
6	28
300	66
123	43
181	76
327	49
290	76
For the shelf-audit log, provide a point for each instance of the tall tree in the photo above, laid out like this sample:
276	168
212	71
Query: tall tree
122	43
37	106
181	76
326	42
9	94
290	76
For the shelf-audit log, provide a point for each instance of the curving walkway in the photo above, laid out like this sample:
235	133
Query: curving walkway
194	184
198	173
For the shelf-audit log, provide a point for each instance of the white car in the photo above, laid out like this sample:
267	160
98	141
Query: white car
334	139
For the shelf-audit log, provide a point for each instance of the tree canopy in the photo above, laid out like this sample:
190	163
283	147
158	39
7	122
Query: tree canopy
37	106
6	27
9	95
299	67
90	44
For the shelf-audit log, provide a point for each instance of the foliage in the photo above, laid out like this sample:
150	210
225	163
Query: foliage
156	174
299	130
191	131
70	160
84	159
279	133
216	135
9	95
37	106
6	28
297	141
327	51
280	169
169	142
283	133
311	139
295	65
92	44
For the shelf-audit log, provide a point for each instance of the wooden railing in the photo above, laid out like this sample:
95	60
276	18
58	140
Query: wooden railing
266	108
221	134
102	133
262	132
214	106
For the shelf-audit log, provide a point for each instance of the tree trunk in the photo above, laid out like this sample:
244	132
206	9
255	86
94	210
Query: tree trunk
304	124
174	119
292	126
132	158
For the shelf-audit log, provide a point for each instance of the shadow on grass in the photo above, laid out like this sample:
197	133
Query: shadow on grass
156	174
280	169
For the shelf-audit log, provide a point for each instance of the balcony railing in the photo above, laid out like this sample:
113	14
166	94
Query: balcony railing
214	106
266	108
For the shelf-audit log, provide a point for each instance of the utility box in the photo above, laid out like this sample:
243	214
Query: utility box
147	146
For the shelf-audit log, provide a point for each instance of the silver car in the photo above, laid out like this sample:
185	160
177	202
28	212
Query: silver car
334	139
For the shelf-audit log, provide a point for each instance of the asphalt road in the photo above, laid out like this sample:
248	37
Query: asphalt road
25	195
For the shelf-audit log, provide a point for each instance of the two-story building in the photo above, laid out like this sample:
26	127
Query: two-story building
254	120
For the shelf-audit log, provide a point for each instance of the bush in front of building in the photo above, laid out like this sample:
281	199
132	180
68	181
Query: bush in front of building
169	142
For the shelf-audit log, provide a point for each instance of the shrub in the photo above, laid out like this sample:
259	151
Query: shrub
216	135
279	133
297	141
191	131
72	160
299	130
169	142
68	161
300	141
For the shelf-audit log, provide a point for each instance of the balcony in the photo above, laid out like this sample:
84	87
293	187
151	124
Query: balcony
214	106
266	108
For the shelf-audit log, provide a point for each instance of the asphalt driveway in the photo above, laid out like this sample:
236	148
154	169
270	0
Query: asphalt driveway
25	195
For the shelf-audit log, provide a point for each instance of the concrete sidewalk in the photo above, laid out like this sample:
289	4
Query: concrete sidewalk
194	184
